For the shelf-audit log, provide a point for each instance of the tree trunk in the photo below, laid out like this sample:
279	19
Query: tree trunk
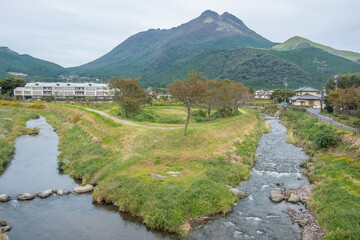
209	112
187	119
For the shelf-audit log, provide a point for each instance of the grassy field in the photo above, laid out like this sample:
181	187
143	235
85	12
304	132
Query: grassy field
336	198
122	158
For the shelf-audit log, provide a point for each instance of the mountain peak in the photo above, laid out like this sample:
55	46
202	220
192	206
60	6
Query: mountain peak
209	13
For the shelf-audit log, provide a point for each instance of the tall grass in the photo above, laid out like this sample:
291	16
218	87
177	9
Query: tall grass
336	198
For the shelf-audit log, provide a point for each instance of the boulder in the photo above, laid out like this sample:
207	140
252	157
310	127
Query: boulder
4	198
3	223
83	189
293	198
276	196
45	194
25	196
157	176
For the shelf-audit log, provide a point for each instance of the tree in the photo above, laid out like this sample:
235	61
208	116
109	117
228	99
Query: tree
344	81
344	99
239	94
189	92
129	94
9	84
282	95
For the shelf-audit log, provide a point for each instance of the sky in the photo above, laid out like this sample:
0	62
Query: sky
74	32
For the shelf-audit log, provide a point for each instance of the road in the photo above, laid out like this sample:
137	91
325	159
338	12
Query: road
327	120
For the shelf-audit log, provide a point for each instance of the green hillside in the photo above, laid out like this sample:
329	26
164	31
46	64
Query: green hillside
303	57
299	42
35	69
257	67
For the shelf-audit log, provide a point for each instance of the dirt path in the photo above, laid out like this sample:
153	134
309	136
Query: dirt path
135	124
127	122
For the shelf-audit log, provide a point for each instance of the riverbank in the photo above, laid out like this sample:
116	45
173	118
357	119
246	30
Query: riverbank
334	169
158	175
12	125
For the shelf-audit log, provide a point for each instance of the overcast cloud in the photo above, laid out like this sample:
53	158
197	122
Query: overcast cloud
74	32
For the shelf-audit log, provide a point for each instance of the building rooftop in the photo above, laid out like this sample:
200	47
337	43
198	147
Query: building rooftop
307	89
306	96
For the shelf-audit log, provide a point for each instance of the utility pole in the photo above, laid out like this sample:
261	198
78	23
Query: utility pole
322	66
336	80
286	82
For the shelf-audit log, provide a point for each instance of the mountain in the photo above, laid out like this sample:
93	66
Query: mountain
156	49
258	68
299	42
13	64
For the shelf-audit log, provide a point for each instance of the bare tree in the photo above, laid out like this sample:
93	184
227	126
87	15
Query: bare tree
189	92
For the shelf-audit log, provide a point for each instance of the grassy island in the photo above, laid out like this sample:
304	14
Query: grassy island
166	179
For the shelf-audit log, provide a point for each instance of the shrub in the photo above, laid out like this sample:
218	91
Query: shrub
15	104
3	102
37	105
224	113
325	139
357	123
344	118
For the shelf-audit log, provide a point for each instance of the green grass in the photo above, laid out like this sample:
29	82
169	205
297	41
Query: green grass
12	125
122	158
336	198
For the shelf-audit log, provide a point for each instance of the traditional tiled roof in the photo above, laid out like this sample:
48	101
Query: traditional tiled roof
308	96
307	89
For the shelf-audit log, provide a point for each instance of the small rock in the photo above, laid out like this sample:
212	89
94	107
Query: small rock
280	184
157	176
276	196
45	194
116	204
60	191
3	223
25	196
293	198
83	189
6	229
4	198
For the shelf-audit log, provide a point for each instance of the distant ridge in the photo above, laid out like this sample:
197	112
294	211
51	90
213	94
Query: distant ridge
13	64
300	42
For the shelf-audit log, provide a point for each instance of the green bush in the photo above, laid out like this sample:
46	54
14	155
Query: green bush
325	139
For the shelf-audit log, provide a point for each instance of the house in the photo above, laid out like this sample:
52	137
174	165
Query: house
152	94
261	94
307	97
62	90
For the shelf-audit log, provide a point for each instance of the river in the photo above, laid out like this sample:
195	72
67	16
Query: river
33	169
256	216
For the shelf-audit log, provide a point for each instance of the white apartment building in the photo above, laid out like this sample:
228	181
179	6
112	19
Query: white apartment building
59	90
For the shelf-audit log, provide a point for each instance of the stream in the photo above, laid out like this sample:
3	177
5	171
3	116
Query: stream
34	169
256	216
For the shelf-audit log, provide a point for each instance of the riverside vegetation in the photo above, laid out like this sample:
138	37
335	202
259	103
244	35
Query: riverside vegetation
335	167
123	160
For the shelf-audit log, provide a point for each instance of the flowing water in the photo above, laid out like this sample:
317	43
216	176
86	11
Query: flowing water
33	169
256	216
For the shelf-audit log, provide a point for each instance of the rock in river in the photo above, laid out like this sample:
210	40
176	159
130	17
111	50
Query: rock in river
4	198
240	194
293	198
83	189
5	229
3	223
61	192
25	196
45	194
276	196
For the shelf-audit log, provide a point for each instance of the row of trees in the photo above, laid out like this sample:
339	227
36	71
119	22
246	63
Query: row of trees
196	90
